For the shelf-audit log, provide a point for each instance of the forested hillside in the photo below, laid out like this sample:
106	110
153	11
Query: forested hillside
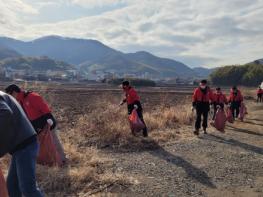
249	74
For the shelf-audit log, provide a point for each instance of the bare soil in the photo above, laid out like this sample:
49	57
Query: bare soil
212	165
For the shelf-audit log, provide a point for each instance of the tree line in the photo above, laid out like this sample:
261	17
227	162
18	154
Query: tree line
249	75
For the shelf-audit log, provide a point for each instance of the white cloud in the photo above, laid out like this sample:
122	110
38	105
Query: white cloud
11	13
18	6
195	31
96	3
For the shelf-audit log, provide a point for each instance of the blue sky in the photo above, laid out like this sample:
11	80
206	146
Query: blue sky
196	32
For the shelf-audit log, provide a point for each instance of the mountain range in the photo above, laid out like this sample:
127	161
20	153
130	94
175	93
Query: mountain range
35	63
91	55
7	53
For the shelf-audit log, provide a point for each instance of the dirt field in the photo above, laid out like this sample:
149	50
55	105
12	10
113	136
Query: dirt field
106	160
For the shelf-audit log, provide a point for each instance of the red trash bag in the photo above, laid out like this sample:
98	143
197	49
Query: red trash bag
242	112
220	120
135	122
3	189
48	152
229	115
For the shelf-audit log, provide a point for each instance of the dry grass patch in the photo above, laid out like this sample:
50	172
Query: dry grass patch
107	126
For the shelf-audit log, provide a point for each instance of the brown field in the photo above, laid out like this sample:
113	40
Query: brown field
97	140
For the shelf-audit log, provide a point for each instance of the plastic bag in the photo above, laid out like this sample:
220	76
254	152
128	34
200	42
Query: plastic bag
220	120
229	115
242	112
3	189
48	152
135	122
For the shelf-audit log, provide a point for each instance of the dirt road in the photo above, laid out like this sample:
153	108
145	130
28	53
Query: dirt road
216	165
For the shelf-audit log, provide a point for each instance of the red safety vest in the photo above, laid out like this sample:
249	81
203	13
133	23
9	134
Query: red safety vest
199	96
233	97
131	96
219	98
33	104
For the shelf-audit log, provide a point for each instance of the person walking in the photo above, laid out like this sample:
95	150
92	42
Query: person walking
259	94
202	97
219	100
18	137
235	100
133	102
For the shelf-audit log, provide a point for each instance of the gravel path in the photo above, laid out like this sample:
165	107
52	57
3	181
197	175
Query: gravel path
215	165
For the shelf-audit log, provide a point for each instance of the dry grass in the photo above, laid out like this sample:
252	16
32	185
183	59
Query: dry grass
102	124
107	126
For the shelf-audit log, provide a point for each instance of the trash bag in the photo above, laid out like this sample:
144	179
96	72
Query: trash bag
59	146
229	115
135	122
242	111
48	152
220	120
3	189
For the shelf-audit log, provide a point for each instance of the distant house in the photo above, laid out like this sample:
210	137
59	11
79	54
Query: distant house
14	73
72	72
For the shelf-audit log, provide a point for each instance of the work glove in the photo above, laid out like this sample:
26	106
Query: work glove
50	122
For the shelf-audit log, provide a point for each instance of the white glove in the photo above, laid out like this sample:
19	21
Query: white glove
136	106
50	122
192	108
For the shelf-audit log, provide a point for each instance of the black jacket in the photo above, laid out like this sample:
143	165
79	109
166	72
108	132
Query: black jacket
15	128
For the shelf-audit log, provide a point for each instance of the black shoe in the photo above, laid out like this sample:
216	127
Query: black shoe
145	132
205	131
196	132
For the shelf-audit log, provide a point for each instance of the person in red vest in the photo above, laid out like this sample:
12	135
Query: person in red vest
35	107
37	111
201	102
235	100
259	94
219	99
133	101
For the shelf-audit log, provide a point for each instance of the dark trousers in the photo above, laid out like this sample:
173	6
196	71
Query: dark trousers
202	109
235	108
140	114
259	99
41	122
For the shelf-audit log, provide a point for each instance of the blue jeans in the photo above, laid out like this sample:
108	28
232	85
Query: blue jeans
21	179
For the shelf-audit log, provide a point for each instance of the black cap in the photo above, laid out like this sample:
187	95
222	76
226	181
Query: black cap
218	88
204	81
125	83
12	88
